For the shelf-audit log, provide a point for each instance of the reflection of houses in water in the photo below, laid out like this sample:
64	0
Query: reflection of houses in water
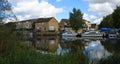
47	43
95	51
65	45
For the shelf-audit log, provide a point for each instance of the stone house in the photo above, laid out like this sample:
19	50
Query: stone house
25	24
46	26
65	25
39	25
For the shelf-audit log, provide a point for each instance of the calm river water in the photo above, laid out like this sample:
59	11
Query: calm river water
93	48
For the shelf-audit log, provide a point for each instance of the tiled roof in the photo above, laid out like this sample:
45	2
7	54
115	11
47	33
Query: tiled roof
44	19
38	20
65	20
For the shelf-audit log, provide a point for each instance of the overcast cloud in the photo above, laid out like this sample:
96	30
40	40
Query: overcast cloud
27	9
101	8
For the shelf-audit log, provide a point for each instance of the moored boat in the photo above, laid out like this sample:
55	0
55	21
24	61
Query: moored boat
92	34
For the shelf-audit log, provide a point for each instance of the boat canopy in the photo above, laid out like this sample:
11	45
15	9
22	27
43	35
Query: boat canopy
105	29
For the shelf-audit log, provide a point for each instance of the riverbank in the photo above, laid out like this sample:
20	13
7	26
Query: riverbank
22	54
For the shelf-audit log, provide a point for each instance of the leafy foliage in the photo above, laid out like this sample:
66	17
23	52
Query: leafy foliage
107	22
6	11
76	19
112	20
116	17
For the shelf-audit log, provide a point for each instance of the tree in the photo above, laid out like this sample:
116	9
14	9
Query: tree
116	17
76	19
107	22
6	11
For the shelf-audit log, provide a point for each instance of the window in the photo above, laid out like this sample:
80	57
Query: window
27	24
52	28
42	23
52	41
65	24
18	25
38	28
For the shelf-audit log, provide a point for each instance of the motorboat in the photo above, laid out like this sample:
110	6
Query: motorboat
69	34
92	34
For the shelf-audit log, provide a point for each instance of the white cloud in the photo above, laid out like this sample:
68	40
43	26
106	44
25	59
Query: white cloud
115	2
27	9
91	18
105	7
101	8
58	0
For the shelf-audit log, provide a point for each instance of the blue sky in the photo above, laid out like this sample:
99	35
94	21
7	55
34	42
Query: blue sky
68	6
93	10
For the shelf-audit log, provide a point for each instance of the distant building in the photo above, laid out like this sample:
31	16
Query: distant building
87	25
94	27
65	25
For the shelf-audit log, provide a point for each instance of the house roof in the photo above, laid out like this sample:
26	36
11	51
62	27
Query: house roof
44	19
64	21
38	20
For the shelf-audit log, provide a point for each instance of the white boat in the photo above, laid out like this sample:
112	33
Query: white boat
92	34
69	38
69	34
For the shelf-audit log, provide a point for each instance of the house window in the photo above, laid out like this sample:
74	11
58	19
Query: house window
38	28
52	28
52	41
18	25
43	23
65	24
27	24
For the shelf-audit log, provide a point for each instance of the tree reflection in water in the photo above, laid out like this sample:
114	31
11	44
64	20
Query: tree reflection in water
80	50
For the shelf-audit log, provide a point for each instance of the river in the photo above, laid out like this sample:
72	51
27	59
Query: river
93	48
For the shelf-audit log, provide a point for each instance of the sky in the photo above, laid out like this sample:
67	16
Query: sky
93	10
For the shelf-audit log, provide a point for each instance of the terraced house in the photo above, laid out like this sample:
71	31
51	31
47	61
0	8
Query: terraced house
40	26
25	24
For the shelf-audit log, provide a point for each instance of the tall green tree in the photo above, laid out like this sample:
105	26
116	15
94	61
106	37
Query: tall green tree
107	22
6	11
116	17
76	19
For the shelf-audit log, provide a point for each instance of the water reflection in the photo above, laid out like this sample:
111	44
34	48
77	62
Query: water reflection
95	51
46	43
49	45
93	48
